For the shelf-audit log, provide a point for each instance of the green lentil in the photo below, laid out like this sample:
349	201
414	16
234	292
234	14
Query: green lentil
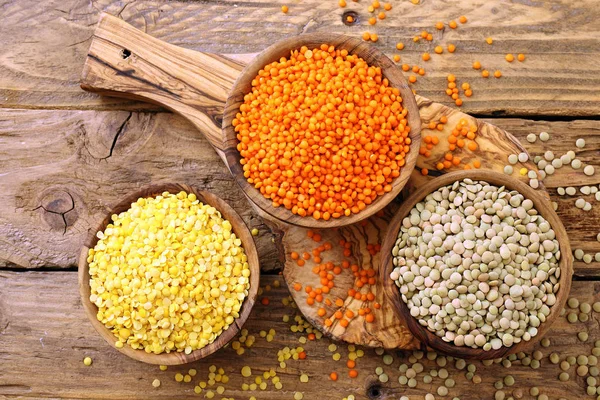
506	363
460	364
526	361
554	358
427	379
573	302
487	363
542	397
581	360
596	305
403	380
469	375
591	390
591	381
563	377
585	308
499	395
442	391
545	342
583	336
499	385
476	379
449	383
509	380
564	365
582	370
387	359
583	317
596	350
402	368
471	368
379	371
535	364
383	378
443	373
537	355
592	360
572	318
571	360
412	382
534	391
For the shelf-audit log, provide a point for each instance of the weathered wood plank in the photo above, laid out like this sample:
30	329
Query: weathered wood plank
60	171
43	329
62	160
43	46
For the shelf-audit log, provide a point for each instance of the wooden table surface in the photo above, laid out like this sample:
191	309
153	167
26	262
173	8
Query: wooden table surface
66	155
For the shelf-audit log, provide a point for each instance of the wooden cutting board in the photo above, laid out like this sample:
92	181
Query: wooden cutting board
126	62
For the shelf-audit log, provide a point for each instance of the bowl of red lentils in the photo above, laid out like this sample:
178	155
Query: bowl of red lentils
322	130
170	275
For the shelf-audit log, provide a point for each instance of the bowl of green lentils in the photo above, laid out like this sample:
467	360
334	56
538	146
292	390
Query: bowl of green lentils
478	264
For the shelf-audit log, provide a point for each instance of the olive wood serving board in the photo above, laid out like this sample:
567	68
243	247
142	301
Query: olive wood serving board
196	85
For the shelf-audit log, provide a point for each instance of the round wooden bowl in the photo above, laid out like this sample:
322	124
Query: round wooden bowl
243	85
173	358
392	292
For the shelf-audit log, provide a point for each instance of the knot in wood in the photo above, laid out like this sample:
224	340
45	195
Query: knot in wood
58	209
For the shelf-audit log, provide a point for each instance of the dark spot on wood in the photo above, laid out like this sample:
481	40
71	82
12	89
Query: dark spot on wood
352	20
497	113
125	54
374	391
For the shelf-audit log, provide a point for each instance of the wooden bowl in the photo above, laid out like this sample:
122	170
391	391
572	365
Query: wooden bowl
392	292
173	358
208	89
373	57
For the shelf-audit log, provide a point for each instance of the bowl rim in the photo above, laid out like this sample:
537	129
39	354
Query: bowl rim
544	208
241	231
373	56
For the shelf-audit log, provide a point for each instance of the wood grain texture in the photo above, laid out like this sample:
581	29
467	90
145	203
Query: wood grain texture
240	230
43	329
43	46
391	291
60	171
125	62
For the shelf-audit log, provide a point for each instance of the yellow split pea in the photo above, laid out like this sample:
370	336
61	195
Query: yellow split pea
168	274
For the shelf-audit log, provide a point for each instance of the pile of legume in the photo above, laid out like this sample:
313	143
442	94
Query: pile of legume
477	265
168	274
322	133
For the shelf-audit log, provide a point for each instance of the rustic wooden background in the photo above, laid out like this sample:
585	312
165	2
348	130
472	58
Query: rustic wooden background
66	155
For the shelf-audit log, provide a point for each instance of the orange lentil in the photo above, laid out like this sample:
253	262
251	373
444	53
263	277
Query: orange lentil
439	166
284	9
489	40
376	4
439	26
421	71
371	9
349	19
521	57
396	58
377	305
333	376
426	57
416	39
415	68
468	93
472	146
452	85
435	139
344	323
353	373
349	314
300	262
327	322
372	21
439	49
351	364
306	255
297	287
399	46
451	48
476	65
509	58
412	79
311	336
451	78
429	37
485	73
302	355
366	36
465	86
387	6
462	19
369	318
443	119
310	301
342	3
452	24
477	164
374	37
294	255
265	301
458	102
424	34
497	74
456	161
424	171
381	15
405	67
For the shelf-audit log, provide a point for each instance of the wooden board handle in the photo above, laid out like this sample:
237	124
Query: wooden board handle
125	62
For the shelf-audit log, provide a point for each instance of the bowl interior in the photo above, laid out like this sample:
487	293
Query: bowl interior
282	48
241	231
392	292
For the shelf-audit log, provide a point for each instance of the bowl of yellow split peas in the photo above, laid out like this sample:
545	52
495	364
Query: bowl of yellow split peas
170	275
